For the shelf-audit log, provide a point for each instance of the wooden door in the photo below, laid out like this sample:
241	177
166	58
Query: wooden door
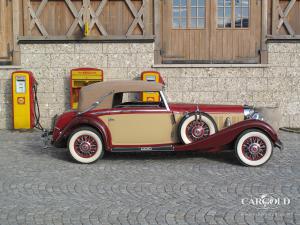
6	42
211	43
236	44
187	42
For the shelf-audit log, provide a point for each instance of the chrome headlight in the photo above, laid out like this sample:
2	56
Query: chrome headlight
257	116
250	113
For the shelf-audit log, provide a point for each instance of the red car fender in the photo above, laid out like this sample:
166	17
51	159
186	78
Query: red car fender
228	135
86	120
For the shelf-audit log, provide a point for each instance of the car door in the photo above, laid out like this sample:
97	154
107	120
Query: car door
141	126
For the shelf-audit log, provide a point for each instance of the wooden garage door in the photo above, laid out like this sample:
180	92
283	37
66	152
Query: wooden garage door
211	31
5	31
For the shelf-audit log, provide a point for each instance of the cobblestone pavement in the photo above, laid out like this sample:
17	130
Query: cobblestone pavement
43	187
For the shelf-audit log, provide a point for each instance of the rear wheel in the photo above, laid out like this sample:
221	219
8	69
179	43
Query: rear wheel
253	148
195	127
85	145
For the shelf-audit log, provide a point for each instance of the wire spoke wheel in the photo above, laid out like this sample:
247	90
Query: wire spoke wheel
195	127
253	148
85	146
197	130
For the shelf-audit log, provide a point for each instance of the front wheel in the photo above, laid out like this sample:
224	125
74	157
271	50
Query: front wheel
85	145
253	148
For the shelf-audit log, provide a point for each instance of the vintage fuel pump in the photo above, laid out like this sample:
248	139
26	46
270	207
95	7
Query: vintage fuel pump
24	101
82	77
151	76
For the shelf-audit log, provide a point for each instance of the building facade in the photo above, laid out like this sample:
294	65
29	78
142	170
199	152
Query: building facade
219	51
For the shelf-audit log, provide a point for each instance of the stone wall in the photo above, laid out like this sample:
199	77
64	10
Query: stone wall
274	85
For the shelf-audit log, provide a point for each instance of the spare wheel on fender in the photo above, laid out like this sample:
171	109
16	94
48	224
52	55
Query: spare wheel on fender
196	126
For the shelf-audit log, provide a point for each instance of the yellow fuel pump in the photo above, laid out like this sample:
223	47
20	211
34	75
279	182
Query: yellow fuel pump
23	97
151	76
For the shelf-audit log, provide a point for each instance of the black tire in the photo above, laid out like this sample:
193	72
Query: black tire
253	148
208	124
85	145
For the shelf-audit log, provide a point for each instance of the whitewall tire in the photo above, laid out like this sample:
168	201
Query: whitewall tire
192	129
253	148
85	145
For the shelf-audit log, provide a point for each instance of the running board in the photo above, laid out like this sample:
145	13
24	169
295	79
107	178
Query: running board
144	149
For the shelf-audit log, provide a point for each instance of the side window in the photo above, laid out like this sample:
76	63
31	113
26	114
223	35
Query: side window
135	99
233	10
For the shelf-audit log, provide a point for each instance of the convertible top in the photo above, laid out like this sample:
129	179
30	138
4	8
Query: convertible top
91	93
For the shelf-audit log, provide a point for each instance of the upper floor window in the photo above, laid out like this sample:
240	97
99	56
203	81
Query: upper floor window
197	13
179	13
189	14
241	13
233	10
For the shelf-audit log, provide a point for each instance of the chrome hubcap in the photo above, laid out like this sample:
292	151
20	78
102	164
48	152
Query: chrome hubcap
254	148
85	146
197	130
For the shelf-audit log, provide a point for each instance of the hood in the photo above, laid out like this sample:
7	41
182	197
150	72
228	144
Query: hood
183	107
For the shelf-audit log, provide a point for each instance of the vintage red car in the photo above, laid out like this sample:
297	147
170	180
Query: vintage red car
111	117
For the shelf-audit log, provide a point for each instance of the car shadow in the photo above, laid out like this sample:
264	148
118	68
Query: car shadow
227	156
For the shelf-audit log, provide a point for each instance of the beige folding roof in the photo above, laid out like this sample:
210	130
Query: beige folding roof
91	93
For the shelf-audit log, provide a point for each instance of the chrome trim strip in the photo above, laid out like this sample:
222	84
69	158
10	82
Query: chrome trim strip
129	111
143	149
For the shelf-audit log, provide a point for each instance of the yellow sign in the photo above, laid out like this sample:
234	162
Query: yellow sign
82	77
21	100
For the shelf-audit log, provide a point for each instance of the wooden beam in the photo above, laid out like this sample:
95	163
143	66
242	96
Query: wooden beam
38	13
157	32
137	15
283	17
275	16
26	18
36	20
137	20
264	32
147	18
109	38
95	17
283	37
78	20
86	13
16	31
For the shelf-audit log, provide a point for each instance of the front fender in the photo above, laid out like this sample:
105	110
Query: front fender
228	135
84	120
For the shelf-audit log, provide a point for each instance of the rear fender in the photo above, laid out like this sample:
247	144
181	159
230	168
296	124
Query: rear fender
228	135
89	120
